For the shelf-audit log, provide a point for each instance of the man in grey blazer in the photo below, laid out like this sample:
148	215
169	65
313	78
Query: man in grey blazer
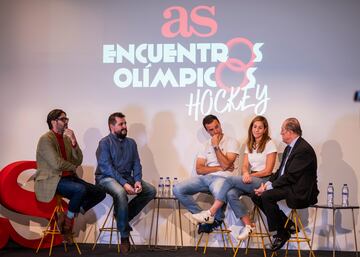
57	156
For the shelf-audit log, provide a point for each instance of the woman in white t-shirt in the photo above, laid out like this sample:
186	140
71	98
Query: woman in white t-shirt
258	164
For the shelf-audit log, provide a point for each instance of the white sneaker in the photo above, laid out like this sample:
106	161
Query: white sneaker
204	217
247	230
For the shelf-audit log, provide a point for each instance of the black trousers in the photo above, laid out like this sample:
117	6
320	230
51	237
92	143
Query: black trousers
267	202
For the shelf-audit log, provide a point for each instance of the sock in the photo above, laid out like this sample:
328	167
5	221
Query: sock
70	214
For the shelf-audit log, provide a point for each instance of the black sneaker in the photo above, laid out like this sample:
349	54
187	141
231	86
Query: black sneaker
205	228
216	224
291	227
129	228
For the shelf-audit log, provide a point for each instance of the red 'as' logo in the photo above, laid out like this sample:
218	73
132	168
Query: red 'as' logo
179	22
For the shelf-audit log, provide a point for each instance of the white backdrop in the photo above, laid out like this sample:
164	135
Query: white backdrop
51	56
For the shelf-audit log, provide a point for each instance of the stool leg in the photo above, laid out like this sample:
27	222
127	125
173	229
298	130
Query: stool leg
237	248
353	219
206	243
132	242
111	231
175	223
152	222
291	216
229	238
296	221
252	216
198	243
247	246
42	239
333	231
157	223
102	228
312	235
52	225
256	216
266	229
52	241
222	236
307	239
77	247
181	235
117	234
261	234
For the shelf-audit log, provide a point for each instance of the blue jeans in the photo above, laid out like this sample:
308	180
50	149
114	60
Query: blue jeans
80	193
234	187
124	211
185	190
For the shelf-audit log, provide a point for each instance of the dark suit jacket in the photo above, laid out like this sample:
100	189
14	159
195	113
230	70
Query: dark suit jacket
300	176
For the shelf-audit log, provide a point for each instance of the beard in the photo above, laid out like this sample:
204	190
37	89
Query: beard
61	129
121	134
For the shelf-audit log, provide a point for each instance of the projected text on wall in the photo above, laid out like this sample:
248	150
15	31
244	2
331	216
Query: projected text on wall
203	66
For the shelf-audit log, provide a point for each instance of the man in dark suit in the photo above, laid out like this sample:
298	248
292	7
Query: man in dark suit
295	181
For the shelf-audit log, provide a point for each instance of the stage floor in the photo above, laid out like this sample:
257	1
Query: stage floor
12	250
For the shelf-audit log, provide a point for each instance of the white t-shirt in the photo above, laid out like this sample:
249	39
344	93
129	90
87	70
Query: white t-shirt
257	161
226	145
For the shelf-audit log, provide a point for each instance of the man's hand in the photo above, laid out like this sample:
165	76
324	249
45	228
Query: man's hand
246	178
70	134
231	168
260	190
215	140
138	187
129	189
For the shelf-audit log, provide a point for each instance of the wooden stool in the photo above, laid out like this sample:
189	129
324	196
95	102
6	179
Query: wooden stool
297	238
256	216
53	229
223	231
106	228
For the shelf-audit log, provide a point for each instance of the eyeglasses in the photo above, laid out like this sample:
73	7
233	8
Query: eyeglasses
63	119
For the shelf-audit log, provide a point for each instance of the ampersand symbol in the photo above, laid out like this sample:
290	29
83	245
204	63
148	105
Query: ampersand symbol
235	64
22	201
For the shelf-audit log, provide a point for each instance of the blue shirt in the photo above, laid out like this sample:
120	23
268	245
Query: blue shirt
119	159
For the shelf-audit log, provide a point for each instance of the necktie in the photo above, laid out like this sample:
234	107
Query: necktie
284	159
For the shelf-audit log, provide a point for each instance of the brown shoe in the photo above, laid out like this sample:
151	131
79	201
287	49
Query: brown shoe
67	230
125	245
60	219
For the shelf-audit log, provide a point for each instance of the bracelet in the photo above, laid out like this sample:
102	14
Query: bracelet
216	148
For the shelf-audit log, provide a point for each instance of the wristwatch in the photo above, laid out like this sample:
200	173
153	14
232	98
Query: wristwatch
216	148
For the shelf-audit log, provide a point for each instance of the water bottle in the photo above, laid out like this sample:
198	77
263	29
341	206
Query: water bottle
167	187
330	195
175	181
160	189
345	195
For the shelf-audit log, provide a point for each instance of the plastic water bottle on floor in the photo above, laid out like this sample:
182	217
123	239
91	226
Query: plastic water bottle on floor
345	195
330	195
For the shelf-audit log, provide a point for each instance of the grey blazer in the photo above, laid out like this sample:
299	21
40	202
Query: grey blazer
50	164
